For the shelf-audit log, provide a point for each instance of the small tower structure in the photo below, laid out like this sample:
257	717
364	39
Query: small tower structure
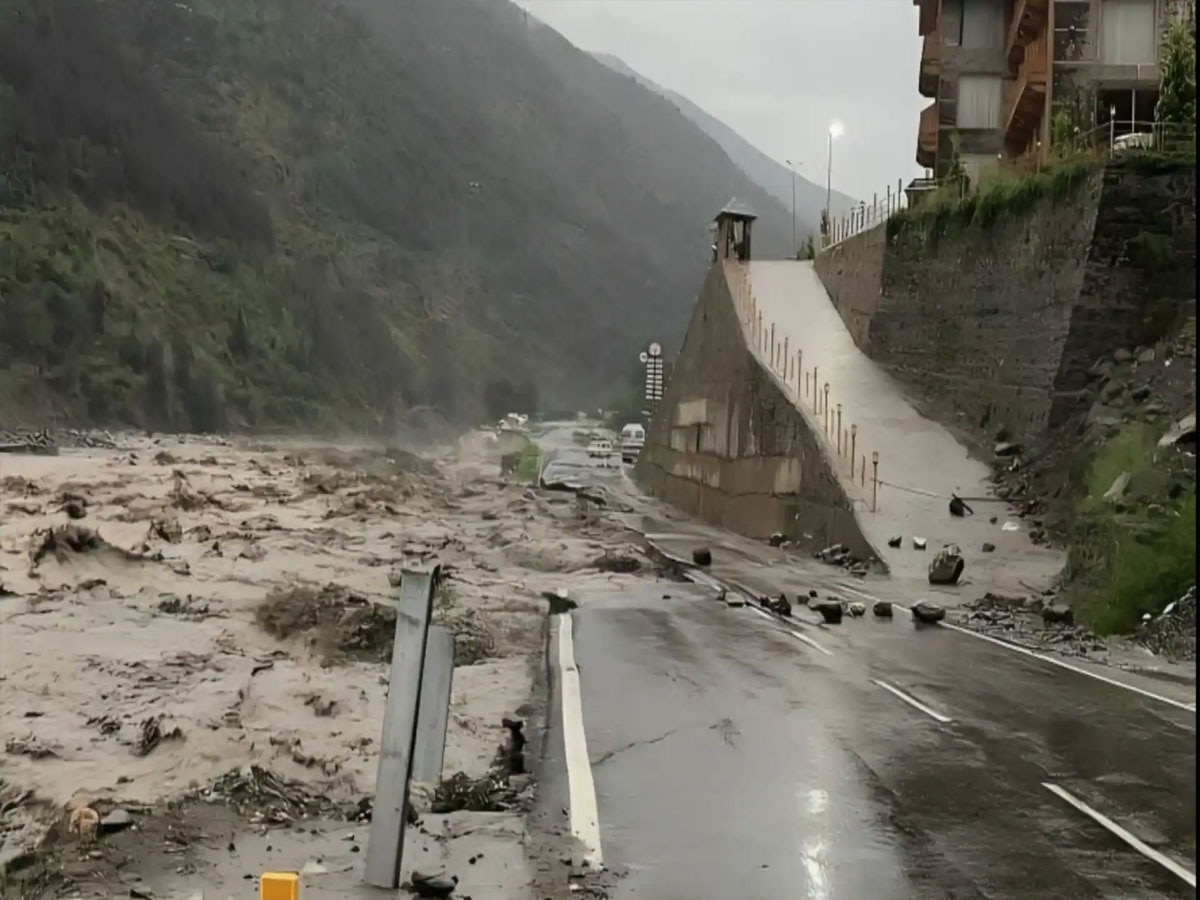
734	223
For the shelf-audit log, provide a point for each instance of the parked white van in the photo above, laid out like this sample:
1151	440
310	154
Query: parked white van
633	439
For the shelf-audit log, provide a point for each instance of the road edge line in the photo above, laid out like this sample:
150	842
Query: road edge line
913	702
1131	839
1044	657
581	787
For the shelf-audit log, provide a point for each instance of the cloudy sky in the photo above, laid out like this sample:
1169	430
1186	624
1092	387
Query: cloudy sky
777	71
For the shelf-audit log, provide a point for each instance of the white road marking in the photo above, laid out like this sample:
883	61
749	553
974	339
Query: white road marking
912	701
803	638
1140	846
585	815
1033	654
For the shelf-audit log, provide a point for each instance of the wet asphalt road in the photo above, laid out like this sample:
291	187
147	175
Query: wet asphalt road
732	759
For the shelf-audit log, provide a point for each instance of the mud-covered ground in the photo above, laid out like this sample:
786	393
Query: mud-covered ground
177	612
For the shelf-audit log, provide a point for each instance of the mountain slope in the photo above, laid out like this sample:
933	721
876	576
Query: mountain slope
266	212
768	174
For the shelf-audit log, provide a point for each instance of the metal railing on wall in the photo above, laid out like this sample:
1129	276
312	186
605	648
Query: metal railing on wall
866	216
845	444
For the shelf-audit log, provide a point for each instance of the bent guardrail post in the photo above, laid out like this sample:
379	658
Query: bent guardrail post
433	711
385	846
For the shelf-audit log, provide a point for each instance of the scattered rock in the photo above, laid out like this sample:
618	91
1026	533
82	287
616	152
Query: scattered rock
559	602
947	566
702	556
1006	449
432	885
1117	489
1182	432
856	608
928	613
155	730
895	541
778	539
620	563
1122	356
958	508
1140	393
74	505
830	610
882	608
1058	614
116	820
988	547
781	606
919	543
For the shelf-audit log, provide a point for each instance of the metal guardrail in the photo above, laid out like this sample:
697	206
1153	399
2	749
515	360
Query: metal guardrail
414	722
866	216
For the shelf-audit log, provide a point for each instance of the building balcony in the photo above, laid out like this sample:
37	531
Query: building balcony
928	19
931	64
1025	96
1029	21
927	137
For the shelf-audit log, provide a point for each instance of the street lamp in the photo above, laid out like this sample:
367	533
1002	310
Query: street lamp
835	130
792	166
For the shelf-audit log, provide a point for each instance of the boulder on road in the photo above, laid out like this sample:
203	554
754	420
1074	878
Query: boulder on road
830	610
927	612
856	608
702	556
883	609
1058	614
947	567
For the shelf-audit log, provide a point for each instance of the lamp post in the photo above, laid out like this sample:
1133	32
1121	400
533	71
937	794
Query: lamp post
792	166
835	130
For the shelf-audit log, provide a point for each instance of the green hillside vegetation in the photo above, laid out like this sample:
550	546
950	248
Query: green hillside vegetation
255	213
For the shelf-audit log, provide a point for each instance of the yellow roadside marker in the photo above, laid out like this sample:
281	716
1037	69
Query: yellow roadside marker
279	886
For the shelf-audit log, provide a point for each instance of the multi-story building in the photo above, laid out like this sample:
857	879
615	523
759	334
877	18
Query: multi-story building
1007	77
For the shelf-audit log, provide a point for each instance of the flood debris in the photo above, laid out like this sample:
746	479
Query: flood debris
959	508
152	732
65	541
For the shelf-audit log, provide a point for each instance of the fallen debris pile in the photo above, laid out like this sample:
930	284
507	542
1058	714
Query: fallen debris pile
1172	633
333	621
261	796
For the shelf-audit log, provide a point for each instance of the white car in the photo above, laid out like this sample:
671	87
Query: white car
633	439
600	448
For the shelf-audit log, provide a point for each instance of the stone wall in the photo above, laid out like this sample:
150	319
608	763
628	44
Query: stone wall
728	446
852	272
994	328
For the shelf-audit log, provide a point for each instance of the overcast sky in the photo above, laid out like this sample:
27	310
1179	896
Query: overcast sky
777	71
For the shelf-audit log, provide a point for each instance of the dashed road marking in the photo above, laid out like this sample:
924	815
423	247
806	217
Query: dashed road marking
913	701
1033	654
1132	840
803	638
585	815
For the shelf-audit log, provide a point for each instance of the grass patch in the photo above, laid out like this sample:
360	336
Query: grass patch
1135	555
1001	194
529	461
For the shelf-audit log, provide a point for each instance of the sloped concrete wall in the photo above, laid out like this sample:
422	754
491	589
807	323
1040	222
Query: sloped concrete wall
728	446
993	329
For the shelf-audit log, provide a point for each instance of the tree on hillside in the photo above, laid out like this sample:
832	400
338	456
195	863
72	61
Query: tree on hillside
808	250
1177	91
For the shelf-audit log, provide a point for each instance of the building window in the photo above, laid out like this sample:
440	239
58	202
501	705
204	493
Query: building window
1127	33
983	24
951	23
1072	33
980	98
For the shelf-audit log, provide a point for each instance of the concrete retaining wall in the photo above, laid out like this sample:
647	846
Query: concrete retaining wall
994	328
728	447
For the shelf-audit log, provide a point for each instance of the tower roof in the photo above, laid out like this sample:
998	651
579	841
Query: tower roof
736	209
